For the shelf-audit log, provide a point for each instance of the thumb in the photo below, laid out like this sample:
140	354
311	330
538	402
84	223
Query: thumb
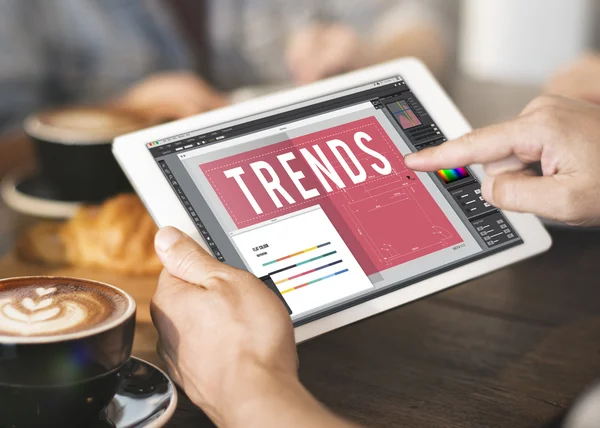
522	192
183	257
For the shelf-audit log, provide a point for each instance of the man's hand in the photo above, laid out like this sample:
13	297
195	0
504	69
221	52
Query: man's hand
218	325
564	135
228	341
323	50
171	96
580	80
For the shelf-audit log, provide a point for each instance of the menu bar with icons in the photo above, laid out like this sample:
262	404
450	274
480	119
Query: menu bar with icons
388	89
191	212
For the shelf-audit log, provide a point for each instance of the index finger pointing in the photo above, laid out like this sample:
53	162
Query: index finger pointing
484	145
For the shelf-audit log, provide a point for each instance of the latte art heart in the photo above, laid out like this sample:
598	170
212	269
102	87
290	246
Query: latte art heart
45	317
33	306
55	310
12	313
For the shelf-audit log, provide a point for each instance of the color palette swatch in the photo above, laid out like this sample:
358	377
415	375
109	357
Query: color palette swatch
313	281
452	175
297	254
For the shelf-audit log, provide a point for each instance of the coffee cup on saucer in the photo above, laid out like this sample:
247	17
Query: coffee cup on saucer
63	343
73	147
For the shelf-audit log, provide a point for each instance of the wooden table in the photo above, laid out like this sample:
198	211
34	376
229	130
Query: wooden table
511	349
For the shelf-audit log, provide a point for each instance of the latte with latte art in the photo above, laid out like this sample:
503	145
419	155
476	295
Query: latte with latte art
53	309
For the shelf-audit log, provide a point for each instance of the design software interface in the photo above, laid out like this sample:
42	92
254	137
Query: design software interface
316	201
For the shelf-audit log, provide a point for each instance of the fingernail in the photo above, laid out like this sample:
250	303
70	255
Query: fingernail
487	189
166	237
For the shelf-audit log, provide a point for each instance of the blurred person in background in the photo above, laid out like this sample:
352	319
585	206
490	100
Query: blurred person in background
168	59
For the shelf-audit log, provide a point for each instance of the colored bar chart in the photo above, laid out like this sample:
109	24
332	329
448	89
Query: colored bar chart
305	257
281	281
297	254
297	287
303	263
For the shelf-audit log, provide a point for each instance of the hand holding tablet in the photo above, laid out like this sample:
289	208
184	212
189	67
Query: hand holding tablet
558	132
309	190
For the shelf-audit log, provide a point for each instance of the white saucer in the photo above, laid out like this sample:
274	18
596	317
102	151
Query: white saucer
146	398
30	194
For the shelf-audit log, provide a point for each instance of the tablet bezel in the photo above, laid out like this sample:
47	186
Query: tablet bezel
166	210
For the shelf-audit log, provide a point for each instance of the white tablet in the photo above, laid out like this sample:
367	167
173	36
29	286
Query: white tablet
307	189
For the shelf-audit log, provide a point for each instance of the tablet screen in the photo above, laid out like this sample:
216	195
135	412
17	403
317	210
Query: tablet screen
316	201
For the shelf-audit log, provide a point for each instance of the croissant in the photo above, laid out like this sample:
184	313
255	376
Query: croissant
116	236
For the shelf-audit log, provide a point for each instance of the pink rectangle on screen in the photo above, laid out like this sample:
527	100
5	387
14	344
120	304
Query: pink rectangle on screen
386	219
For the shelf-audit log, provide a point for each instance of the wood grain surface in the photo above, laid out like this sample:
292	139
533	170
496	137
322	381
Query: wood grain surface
511	349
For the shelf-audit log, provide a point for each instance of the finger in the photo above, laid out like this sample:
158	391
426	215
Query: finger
484	145
184	258
510	164
522	192
546	102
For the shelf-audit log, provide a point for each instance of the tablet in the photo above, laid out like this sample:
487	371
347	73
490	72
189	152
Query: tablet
307	189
